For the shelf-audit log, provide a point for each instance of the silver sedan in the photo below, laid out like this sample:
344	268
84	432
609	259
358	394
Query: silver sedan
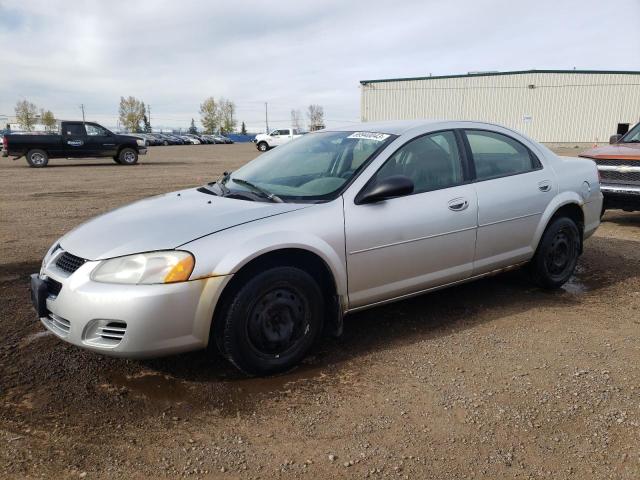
260	262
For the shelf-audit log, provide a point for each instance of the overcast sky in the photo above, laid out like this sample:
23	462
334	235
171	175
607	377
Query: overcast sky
289	53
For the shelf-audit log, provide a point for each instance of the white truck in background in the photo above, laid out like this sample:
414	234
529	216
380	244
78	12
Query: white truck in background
277	137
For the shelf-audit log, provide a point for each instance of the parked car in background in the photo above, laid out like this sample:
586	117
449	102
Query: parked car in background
265	142
261	262
619	167
223	139
74	140
191	139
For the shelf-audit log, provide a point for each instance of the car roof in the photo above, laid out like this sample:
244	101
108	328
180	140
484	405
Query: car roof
395	127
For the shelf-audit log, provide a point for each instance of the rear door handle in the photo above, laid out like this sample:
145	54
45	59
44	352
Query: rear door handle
544	186
458	204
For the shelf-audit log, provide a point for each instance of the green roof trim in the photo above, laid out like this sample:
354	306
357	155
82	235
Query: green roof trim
494	74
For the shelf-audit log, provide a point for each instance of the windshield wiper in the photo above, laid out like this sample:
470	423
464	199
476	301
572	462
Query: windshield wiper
220	183
268	195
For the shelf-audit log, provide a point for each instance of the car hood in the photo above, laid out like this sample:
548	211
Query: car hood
164	222
620	151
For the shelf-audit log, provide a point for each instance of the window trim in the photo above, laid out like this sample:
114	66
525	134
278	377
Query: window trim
466	168
534	158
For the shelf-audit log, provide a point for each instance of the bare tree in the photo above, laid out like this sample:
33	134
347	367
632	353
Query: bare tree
48	120
227	111
209	115
132	112
315	113
26	113
296	119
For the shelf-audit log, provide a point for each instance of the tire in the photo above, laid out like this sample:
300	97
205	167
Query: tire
263	146
128	156
165	143
37	158
557	254
270	323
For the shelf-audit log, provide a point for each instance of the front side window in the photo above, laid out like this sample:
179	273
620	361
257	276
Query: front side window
496	155
313	167
432	162
75	130
95	131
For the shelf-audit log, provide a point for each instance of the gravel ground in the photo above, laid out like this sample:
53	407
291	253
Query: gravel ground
492	379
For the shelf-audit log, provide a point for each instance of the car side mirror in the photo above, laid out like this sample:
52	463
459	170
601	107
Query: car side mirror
390	187
614	138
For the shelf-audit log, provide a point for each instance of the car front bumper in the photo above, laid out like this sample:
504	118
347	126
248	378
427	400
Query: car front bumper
132	321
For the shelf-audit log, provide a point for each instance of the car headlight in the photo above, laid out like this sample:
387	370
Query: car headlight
146	268
141	143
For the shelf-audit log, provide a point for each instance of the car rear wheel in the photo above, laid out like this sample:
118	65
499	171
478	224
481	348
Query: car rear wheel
37	158
271	322
128	156
263	146
557	254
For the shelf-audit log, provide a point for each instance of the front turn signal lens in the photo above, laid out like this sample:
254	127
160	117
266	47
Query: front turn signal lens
180	271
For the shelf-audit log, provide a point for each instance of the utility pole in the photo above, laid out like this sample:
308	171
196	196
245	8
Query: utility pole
266	117
82	108
149	110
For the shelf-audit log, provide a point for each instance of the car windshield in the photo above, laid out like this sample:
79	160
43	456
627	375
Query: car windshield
311	168
633	136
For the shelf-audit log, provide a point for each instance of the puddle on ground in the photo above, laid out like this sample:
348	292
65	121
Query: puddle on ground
29	339
583	281
151	385
227	395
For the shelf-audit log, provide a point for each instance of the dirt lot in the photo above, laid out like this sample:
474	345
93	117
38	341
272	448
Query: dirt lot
493	379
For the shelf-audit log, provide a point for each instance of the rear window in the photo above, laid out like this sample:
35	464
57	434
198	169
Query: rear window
74	129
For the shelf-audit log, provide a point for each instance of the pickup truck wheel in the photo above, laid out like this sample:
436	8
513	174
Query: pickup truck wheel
272	321
117	160
557	254
37	158
263	146
128	156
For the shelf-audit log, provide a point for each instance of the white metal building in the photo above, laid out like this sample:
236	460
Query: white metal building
551	106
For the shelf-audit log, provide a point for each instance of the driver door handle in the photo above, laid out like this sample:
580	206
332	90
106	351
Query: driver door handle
458	204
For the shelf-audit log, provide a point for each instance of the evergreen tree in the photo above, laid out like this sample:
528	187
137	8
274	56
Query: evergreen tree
192	128
243	129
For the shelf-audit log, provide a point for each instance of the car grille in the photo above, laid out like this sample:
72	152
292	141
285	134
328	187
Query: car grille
630	178
113	331
69	263
57	324
618	163
53	287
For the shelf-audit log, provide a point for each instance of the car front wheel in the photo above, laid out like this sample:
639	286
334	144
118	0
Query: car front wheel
271	322
263	147
557	254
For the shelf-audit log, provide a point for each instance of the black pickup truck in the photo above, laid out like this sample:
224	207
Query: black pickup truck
74	140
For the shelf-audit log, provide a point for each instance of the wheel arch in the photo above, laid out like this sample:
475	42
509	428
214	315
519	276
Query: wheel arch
568	204
295	256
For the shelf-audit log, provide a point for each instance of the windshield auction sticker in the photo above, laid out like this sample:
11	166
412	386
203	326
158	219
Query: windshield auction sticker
378	137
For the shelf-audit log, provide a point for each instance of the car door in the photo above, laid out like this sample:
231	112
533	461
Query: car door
513	191
412	243
100	142
74	137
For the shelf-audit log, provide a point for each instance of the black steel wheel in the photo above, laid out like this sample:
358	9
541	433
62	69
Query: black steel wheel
271	321
557	254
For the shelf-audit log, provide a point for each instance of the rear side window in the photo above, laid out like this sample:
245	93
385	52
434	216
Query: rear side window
496	155
283	132
75	129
